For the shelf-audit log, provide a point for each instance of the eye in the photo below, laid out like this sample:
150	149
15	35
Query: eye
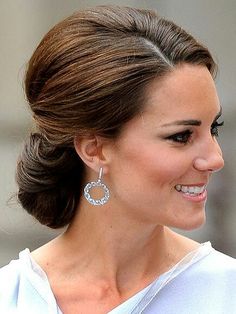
215	128
181	137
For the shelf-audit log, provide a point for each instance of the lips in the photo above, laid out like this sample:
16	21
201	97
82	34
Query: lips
193	190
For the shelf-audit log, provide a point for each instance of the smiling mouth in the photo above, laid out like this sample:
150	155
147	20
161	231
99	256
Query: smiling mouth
190	190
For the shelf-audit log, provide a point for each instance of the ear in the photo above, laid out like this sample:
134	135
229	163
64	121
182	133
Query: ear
90	150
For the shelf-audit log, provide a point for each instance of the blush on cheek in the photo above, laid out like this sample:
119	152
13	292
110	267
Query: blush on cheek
164	170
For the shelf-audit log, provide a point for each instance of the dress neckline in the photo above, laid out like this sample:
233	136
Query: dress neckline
138	302
39	280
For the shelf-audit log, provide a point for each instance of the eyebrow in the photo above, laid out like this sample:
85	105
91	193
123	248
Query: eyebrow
183	122
191	121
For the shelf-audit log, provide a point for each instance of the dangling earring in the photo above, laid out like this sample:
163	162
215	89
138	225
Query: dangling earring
93	184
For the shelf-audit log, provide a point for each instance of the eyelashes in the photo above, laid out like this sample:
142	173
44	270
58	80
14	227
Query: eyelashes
215	128
181	137
184	137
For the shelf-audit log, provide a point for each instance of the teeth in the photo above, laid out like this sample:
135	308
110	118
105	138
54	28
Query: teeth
184	189
194	190
178	187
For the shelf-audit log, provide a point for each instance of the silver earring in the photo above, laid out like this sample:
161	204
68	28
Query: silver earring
93	184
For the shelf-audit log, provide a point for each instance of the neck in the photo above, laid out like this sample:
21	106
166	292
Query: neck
117	250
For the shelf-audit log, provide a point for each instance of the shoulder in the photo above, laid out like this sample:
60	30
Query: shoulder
15	282
216	268
24	287
9	283
206	286
218	263
215	274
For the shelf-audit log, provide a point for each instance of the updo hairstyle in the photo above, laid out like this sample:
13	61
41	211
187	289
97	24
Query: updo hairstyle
88	76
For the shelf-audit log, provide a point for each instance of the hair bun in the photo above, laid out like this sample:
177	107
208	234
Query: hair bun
47	177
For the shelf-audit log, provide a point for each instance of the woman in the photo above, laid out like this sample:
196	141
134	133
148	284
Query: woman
127	115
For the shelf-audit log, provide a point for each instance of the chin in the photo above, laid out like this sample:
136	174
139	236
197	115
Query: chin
189	226
191	223
196	218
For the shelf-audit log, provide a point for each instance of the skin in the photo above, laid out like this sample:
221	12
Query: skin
110	252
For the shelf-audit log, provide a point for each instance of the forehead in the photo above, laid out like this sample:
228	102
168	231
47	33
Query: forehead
188	90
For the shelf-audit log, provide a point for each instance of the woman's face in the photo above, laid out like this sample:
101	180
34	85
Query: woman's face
162	162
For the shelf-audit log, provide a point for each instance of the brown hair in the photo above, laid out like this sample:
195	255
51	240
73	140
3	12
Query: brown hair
88	75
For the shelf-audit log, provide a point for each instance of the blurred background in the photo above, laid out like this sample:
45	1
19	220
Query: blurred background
22	25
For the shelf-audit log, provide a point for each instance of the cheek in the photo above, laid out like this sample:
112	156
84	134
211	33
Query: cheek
155	164
168	167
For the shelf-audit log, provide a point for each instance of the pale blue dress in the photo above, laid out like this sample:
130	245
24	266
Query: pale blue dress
203	282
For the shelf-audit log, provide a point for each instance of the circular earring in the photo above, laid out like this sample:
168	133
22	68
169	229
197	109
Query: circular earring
99	184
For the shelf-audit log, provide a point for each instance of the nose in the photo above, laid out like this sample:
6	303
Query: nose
210	157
